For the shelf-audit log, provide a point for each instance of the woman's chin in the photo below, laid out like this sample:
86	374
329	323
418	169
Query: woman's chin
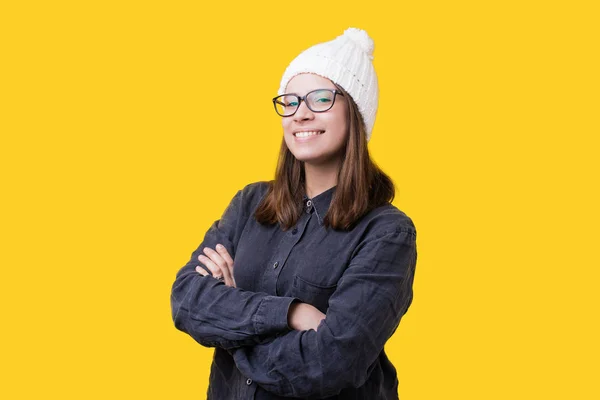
315	161
307	158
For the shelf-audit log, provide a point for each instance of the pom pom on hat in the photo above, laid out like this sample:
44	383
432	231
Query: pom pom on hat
362	39
346	61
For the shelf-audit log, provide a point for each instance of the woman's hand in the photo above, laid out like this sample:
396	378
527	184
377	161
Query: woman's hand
219	263
302	317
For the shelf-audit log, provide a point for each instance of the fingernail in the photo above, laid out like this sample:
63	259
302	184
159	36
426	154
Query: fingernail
219	246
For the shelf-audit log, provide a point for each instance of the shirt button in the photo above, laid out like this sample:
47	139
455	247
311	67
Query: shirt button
276	264
294	231
308	207
249	382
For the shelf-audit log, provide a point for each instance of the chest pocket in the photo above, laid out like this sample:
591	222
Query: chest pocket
311	293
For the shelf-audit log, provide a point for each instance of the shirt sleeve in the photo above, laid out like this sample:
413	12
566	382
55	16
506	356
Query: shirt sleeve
217	315
371	297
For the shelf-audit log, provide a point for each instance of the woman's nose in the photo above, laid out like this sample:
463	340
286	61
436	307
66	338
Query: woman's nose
303	112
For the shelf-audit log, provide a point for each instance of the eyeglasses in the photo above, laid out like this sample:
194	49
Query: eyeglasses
318	101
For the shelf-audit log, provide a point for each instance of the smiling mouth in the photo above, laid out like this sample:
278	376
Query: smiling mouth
308	134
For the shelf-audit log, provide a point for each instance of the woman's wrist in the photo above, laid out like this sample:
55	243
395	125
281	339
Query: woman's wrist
302	316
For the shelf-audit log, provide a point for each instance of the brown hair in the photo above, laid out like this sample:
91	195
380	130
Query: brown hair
361	184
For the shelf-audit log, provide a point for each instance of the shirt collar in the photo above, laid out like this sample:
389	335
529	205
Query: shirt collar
321	203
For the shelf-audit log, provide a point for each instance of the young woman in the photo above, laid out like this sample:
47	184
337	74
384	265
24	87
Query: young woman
304	278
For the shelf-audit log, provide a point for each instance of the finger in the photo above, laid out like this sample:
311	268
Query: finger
228	278
225	271
214	268
215	258
201	271
232	277
225	254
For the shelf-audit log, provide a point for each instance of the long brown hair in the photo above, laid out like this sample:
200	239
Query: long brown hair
361	184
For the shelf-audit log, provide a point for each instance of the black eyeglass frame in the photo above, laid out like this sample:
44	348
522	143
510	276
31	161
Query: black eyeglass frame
303	99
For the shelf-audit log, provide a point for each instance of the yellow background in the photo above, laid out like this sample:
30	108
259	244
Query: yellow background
126	128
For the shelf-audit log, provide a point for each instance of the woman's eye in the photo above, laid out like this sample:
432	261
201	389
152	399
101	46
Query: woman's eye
323	100
292	104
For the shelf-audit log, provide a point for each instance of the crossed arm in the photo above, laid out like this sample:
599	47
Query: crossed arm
365	310
301	316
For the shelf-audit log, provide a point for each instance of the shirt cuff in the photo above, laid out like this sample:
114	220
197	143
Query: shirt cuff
272	314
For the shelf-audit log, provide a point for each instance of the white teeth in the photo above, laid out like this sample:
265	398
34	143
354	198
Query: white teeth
308	133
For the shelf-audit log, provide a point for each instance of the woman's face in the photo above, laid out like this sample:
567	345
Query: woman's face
332	126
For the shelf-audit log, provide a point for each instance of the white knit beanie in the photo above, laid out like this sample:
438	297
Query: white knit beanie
346	61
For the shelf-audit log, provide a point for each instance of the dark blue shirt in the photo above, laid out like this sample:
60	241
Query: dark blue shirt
361	279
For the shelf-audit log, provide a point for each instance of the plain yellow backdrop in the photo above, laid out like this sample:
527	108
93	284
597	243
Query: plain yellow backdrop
126	128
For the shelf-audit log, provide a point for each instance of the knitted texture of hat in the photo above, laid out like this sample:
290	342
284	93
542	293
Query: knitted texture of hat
346	61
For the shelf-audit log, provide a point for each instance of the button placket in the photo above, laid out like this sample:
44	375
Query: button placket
274	269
